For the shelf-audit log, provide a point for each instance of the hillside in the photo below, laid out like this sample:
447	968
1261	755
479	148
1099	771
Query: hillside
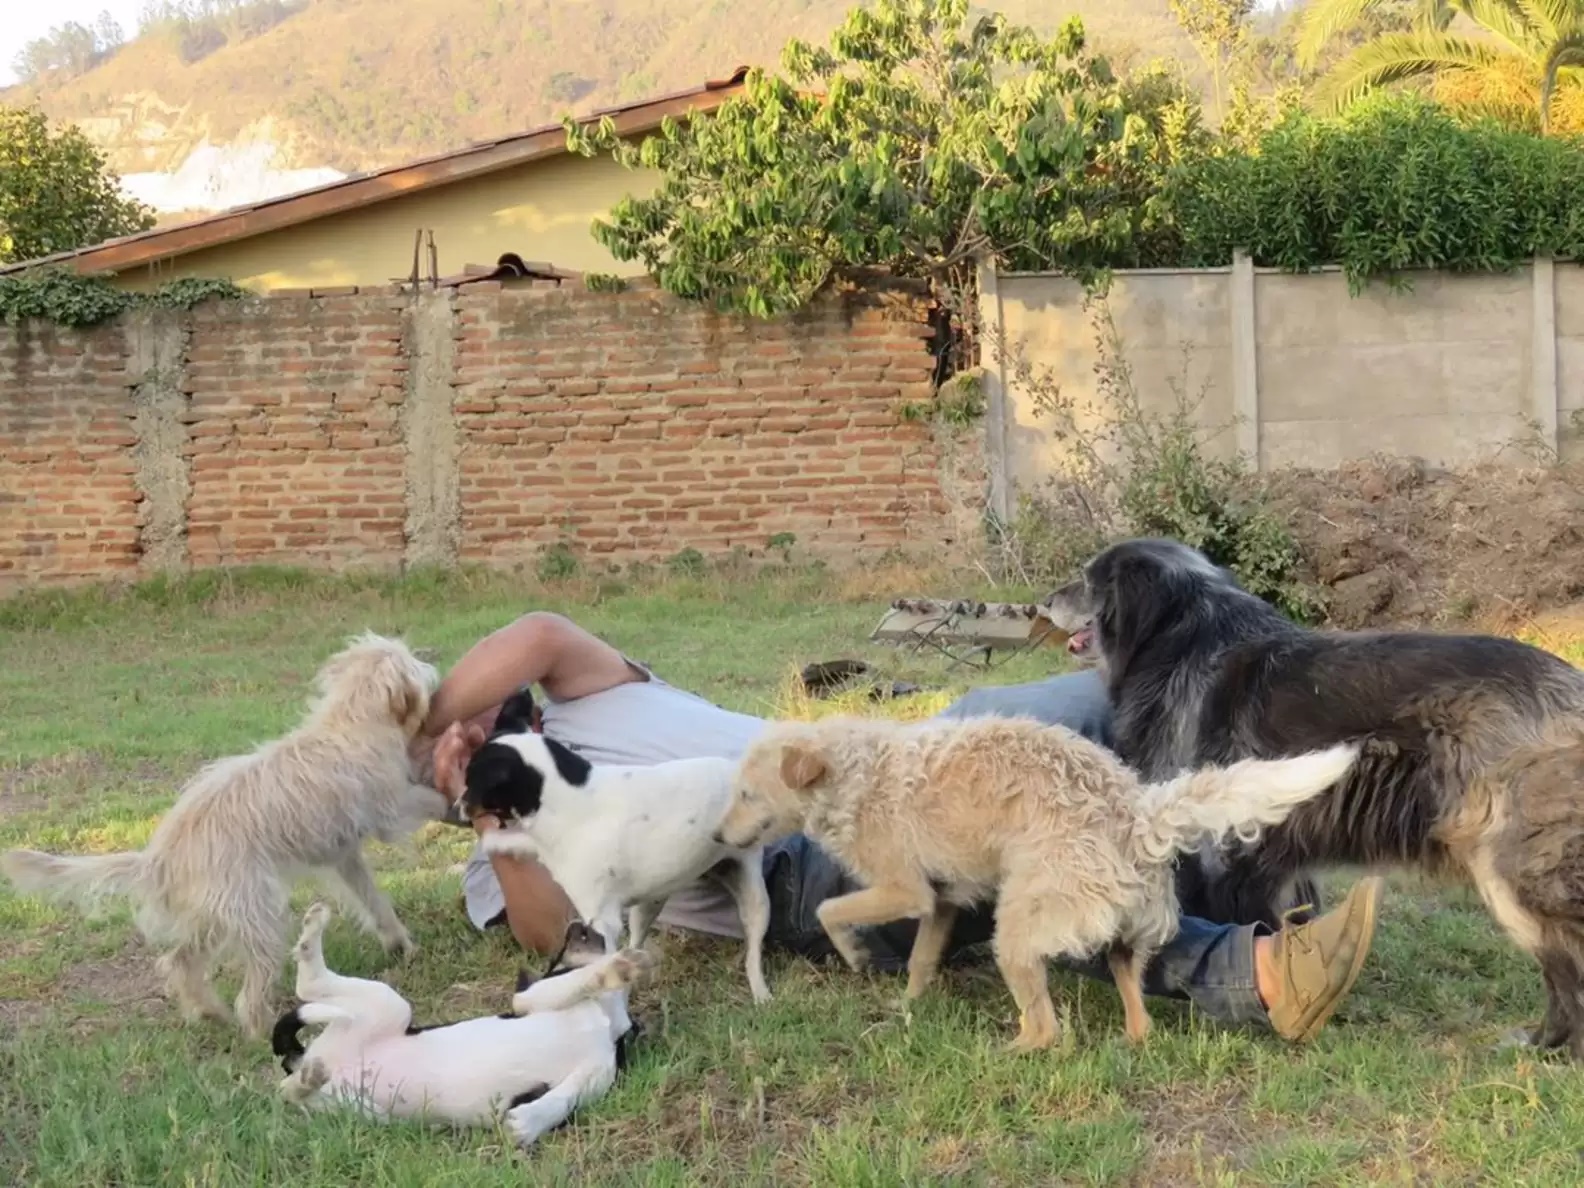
356	84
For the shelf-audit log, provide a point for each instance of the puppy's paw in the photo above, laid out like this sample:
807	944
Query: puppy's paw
626	968
317	917
314	1074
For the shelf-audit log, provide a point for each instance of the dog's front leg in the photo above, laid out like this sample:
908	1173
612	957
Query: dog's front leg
563	990
843	916
304	1084
608	923
586	1083
929	944
747	886
640	919
372	903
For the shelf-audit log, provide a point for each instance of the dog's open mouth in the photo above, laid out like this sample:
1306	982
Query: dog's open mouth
1080	641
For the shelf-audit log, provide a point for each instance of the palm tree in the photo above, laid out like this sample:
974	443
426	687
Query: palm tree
1528	47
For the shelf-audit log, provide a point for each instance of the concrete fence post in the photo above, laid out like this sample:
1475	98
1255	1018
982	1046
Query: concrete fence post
1245	360
434	499
992	358
1543	369
156	348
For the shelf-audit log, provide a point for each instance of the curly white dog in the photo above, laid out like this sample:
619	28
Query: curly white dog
558	1048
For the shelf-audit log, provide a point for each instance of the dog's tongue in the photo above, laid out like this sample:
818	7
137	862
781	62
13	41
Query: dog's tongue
1080	640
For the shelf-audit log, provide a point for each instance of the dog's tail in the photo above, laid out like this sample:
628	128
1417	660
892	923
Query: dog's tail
1241	798
86	880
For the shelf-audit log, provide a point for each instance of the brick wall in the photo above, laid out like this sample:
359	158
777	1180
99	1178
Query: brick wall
69	507
627	426
295	438
381	429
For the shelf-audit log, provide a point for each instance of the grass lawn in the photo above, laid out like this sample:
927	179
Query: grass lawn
107	703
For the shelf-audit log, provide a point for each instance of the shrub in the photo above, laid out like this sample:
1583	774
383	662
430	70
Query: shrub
1131	471
1395	183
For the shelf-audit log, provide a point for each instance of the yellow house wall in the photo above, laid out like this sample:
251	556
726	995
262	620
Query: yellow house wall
541	210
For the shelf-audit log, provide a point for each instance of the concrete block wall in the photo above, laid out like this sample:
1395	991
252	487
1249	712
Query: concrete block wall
1294	370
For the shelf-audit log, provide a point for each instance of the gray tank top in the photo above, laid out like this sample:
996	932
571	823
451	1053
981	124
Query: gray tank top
648	721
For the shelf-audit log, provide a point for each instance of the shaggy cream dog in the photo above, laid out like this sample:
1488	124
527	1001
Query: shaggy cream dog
937	815
214	881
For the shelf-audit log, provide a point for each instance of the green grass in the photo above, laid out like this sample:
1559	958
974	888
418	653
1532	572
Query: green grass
108	702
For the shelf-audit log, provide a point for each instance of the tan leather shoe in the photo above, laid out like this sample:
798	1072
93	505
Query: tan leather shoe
1318	962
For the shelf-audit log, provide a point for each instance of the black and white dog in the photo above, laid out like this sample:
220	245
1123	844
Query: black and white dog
617	839
1473	746
558	1048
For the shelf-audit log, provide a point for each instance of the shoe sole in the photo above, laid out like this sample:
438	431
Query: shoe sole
1377	886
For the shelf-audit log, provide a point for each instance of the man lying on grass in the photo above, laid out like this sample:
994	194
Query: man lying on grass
613	710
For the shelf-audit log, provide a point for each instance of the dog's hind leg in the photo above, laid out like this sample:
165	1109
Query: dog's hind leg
929	944
371	904
186	972
588	1082
378	1008
1564	1004
1127	970
258	937
747	887
1027	978
1040	915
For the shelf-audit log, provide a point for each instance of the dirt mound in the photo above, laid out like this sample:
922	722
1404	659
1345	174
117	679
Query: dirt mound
1398	543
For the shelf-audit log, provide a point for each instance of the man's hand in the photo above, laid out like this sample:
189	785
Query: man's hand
452	751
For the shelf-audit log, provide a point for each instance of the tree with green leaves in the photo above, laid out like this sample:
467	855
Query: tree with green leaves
56	192
1523	51
1219	31
69	50
917	141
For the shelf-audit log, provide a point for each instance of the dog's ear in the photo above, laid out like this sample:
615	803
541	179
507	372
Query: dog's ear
801	765
1134	601
500	782
569	765
516	713
407	701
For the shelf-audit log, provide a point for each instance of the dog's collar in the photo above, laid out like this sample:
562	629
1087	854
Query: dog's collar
551	969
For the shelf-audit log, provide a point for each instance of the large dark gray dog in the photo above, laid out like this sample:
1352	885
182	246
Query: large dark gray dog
1473	746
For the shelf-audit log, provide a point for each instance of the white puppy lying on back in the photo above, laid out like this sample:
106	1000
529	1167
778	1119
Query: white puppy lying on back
617	839
558	1048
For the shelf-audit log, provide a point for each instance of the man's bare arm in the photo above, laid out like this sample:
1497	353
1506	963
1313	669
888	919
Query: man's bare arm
538	912
540	648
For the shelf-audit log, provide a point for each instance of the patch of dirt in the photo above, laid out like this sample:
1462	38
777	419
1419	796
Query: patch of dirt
126	982
1189	1133
72	779
1396	543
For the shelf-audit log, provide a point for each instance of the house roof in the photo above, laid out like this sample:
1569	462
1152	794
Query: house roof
363	189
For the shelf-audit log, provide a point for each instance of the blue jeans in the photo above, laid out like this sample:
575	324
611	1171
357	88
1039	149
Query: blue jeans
1208	964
